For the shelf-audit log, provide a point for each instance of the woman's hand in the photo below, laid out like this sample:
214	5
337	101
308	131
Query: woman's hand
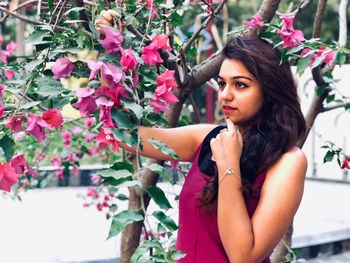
108	18
227	146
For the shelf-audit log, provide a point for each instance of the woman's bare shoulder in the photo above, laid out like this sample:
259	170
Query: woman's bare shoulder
291	164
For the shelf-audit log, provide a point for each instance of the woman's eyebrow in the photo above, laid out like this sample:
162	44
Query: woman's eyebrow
237	77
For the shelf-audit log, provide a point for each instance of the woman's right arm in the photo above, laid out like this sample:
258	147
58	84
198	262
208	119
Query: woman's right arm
183	140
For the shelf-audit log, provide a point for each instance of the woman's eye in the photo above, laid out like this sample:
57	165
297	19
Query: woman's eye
221	84
240	85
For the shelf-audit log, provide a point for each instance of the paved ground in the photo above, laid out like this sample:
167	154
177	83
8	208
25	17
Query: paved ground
51	225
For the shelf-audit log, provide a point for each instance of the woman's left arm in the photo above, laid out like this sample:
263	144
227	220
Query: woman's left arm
253	239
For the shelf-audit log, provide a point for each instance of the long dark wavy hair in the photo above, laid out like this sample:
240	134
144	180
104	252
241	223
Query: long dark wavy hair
279	124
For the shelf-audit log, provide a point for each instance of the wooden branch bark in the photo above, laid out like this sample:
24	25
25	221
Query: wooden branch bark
321	8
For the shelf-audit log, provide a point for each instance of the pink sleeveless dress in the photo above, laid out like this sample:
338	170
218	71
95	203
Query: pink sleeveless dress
198	233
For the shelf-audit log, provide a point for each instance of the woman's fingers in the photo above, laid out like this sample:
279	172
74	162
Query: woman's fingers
230	126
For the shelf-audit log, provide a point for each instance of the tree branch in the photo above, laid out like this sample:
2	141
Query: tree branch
342	22
337	106
204	25
321	8
23	18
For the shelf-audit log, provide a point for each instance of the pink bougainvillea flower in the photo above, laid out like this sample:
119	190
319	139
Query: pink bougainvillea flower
1	40
89	122
112	41
162	42
287	23
165	83
34	128
77	130
3	56
86	104
56	160
67	138
8	177
291	39
89	137
62	68
128	60
18	136
105	137
10	47
93	151
158	106
92	192
21	166
75	170
2	87
346	163
2	110
150	4
51	118
94	66
150	54
305	52
105	111
255	22
113	93
9	74
174	164
95	179
328	59
15	123
111	74
72	157
84	92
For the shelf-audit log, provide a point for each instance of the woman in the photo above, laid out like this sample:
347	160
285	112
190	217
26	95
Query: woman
246	180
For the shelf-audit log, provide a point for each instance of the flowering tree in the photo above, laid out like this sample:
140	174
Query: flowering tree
110	80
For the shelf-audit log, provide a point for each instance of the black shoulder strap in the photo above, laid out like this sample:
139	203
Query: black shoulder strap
205	163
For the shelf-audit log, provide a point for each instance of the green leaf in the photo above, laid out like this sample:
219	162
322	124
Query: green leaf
47	86
143	248
295	49
328	157
33	64
50	5
123	120
165	220
340	58
302	64
121	220
123	166
152	119
267	34
163	148
135	108
123	136
8	146
116	174
176	255
176	19
154	167
29	105
330	98
37	37
159	197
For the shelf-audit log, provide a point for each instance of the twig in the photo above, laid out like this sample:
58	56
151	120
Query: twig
19	7
204	25
337	106
298	10
23	18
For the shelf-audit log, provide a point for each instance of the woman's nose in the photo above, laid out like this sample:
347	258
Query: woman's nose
226	93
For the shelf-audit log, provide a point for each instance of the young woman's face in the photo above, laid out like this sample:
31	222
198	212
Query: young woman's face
240	96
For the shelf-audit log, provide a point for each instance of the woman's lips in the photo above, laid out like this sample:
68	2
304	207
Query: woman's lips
228	110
